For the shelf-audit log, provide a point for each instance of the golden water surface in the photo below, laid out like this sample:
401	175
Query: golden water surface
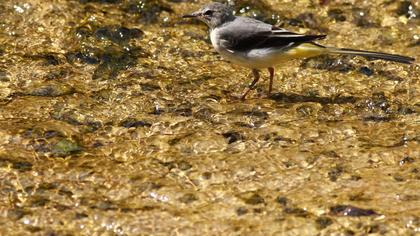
118	118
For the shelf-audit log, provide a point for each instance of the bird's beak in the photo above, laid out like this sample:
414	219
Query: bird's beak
192	15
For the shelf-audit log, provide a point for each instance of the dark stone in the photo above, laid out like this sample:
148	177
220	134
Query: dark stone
296	211
65	148
336	14
148	11
377	118
366	71
15	214
183	165
255	199
323	222
51	134
22	166
282	200
256	9
130	122
408	9
361	17
340	64
118	34
52	89
348	210
406	160
233	136
241	211
335	172
188	198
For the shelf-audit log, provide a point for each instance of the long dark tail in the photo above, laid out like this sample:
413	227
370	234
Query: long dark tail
375	55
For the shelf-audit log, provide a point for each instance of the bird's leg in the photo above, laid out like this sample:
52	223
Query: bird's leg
270	87
251	86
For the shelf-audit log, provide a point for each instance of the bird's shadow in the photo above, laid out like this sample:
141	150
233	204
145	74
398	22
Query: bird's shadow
298	98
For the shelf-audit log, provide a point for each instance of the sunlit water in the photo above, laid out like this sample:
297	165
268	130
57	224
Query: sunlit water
117	117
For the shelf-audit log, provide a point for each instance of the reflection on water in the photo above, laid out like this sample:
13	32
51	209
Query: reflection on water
118	117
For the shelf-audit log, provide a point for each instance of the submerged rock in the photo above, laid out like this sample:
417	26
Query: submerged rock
348	210
49	89
65	147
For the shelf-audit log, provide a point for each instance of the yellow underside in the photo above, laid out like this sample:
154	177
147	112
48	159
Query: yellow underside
305	50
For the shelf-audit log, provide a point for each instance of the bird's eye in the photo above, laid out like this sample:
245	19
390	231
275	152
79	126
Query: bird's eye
208	13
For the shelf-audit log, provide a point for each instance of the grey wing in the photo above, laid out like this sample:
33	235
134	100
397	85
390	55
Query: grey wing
245	33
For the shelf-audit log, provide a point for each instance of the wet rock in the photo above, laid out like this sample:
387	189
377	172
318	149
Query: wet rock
50	89
406	160
341	64
79	216
106	206
3	76
147	11
101	1
305	110
205	113
335	172
348	210
307	20
323	222
296	211
118	34
114	60
282	200
336	14
378	102
22	166
257	113
183	111
255	9
131	122
241	211
378	118
254	199
406	110
361	18
366	71
48	58
183	165
15	214
38	202
87	56
188	198
65	148
233	136
408	9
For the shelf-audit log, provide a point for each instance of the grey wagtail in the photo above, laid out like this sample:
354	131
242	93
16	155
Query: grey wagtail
257	45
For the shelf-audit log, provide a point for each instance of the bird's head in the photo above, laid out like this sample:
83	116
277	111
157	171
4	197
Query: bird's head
213	14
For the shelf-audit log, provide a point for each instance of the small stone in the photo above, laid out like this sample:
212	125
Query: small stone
255	199
188	198
282	200
241	211
183	165
348	210
336	14
366	71
65	148
50	89
296	211
232	136
323	222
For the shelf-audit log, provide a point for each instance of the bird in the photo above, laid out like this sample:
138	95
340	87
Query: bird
254	44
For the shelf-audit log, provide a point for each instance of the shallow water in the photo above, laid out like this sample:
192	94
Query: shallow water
117	117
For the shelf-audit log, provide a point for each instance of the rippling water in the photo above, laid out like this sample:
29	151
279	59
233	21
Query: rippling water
117	117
